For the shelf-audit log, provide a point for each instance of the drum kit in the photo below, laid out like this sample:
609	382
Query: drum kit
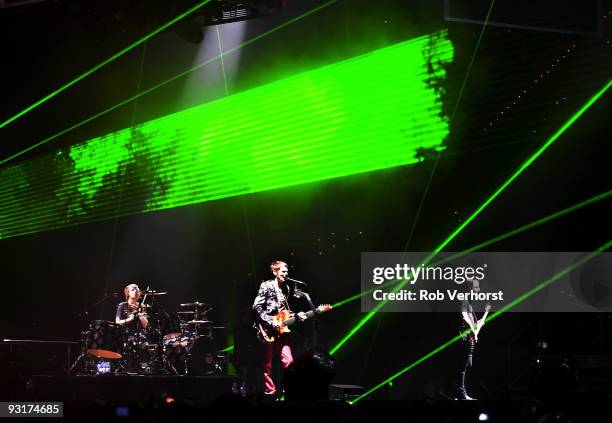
178	344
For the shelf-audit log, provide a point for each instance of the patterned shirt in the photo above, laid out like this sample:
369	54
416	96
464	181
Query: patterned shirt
270	300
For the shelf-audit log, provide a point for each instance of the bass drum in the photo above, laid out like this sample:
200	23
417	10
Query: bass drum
193	356
105	339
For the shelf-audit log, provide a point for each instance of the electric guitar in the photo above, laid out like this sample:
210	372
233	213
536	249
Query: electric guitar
472	335
267	333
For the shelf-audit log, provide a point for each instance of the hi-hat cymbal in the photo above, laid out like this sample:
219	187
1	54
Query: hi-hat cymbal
153	292
194	304
199	322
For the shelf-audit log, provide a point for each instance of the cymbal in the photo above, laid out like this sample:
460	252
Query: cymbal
153	292
194	304
200	322
186	312
145	305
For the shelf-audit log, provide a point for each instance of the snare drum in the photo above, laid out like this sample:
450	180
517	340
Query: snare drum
105	339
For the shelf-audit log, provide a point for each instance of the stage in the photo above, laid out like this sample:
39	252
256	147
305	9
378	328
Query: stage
365	209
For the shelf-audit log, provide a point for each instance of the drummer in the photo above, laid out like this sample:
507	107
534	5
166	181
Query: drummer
128	312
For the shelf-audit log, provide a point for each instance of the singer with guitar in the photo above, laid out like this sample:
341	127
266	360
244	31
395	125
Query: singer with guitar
470	328
271	300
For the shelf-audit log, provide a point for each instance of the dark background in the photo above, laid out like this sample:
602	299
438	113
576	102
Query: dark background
219	252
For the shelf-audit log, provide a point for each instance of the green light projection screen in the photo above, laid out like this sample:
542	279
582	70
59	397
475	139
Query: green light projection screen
368	113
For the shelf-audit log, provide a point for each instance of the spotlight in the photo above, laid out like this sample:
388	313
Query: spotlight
226	11
483	417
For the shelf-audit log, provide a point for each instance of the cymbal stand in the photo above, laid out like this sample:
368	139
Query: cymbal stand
84	314
81	356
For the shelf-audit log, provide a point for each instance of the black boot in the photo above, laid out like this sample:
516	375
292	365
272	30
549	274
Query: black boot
461	392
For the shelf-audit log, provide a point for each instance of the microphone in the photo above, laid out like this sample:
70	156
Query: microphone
296	281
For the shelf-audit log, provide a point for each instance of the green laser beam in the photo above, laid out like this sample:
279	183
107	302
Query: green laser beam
495	194
111	251
165	82
469	70
230	338
450	124
222	60
528	162
103	63
533	224
495	315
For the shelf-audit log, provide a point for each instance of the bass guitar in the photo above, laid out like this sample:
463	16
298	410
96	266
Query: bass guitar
467	334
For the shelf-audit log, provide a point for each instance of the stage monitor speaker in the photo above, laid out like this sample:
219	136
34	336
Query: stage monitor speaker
345	392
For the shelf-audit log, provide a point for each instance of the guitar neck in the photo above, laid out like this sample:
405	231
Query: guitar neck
308	314
480	323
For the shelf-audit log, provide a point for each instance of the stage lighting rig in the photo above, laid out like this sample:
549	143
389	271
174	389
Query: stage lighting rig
225	11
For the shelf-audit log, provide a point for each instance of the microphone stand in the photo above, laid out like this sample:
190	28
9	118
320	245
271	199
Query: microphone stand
301	294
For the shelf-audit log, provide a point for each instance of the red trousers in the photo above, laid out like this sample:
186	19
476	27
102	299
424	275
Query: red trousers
280	346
